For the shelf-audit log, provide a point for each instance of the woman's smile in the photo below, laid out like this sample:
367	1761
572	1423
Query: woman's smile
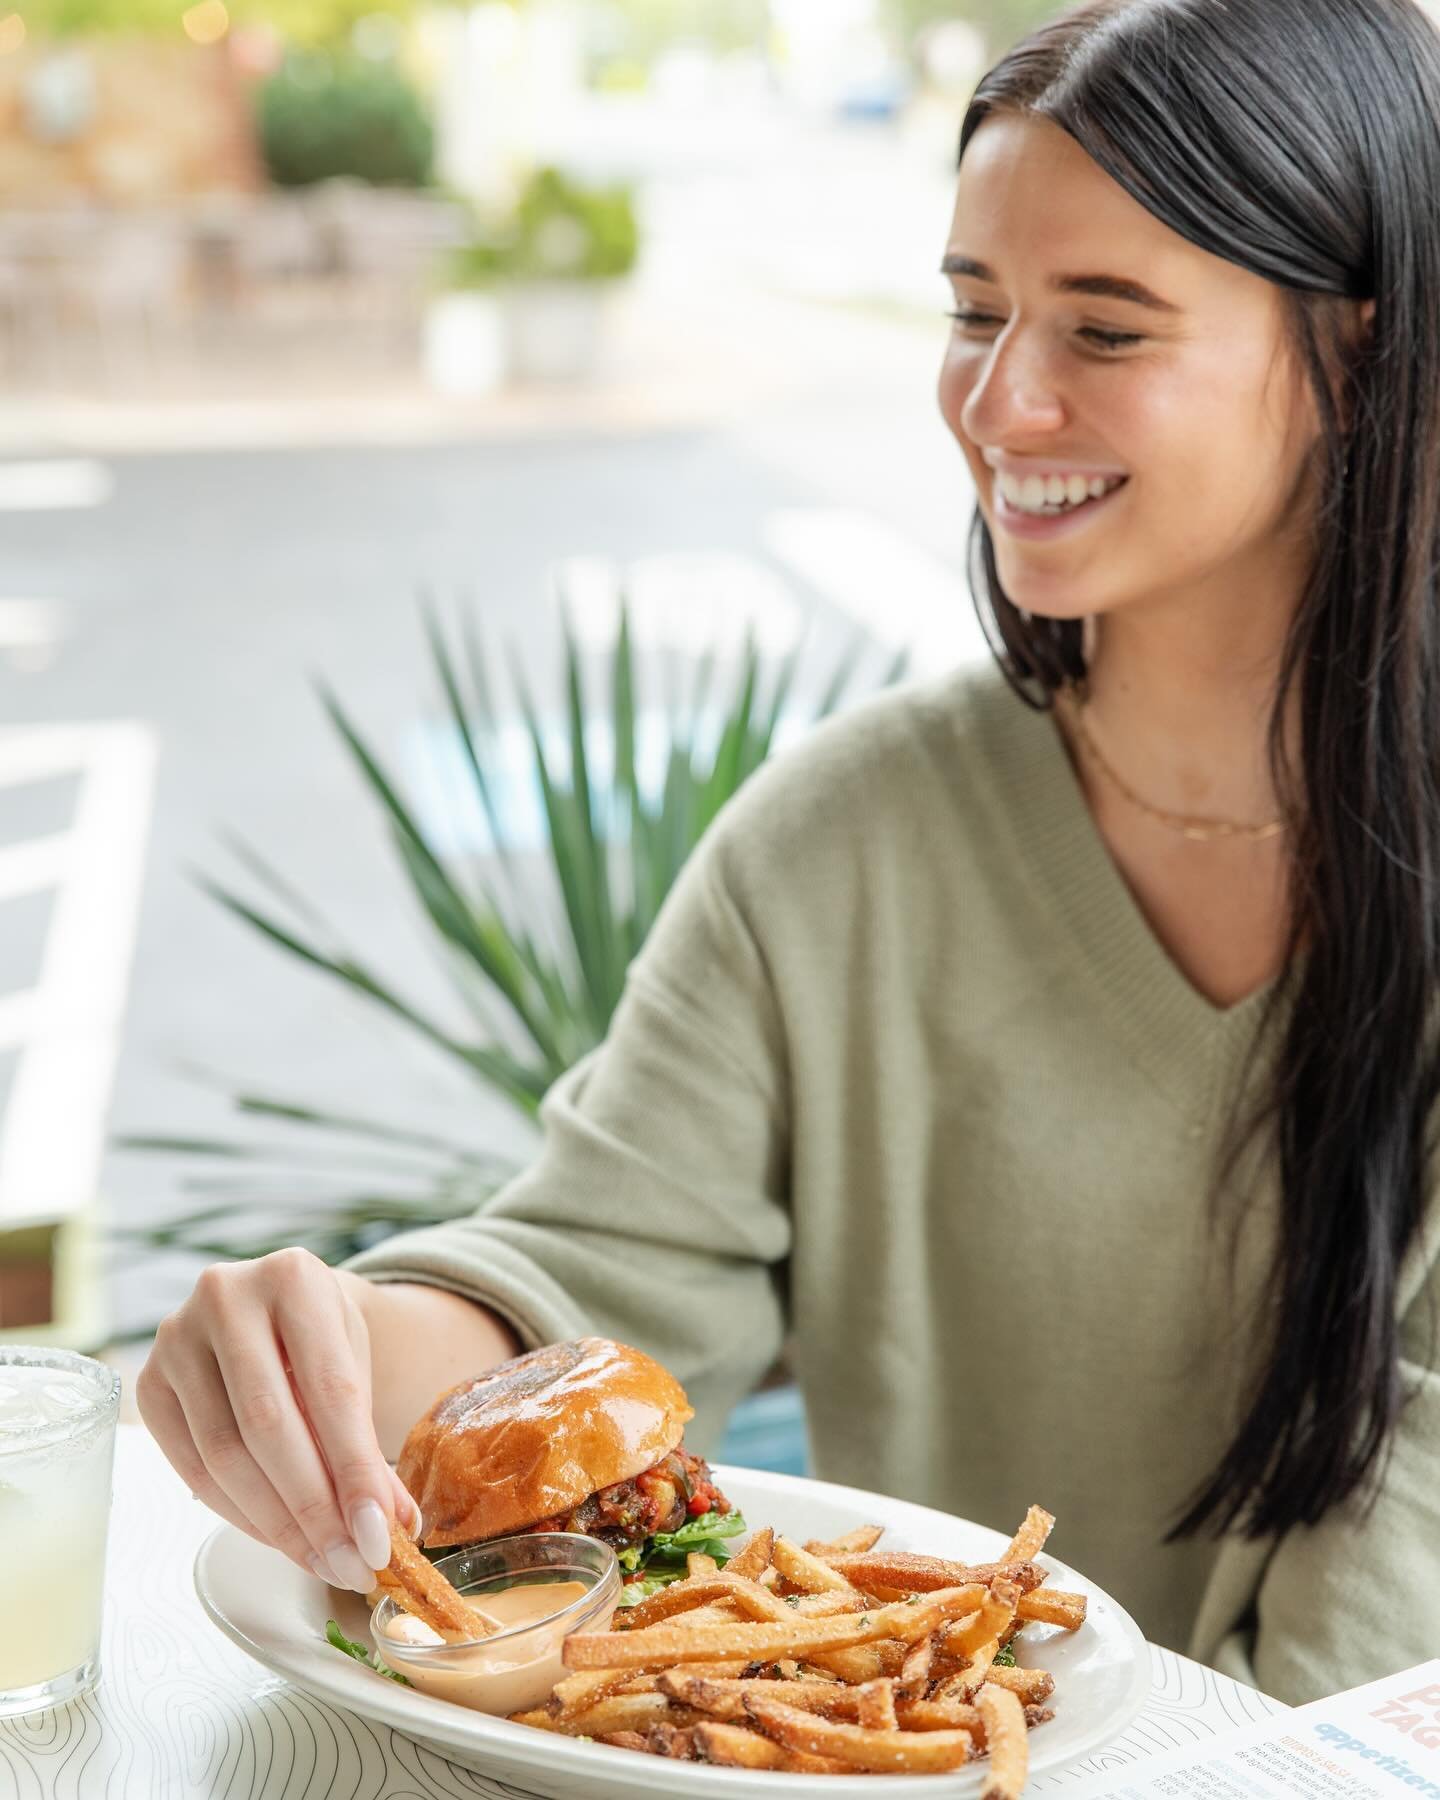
1065	519
1033	498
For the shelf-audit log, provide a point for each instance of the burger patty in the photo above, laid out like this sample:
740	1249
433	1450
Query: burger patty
660	1498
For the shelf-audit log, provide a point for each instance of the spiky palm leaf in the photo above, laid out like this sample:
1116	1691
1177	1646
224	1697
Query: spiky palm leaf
615	849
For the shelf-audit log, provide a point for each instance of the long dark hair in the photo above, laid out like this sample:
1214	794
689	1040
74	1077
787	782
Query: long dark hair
1300	139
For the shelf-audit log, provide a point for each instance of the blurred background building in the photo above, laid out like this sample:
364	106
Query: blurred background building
311	309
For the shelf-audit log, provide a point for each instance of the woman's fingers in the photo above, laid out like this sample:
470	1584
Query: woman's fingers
258	1391
165	1420
257	1444
333	1382
254	1507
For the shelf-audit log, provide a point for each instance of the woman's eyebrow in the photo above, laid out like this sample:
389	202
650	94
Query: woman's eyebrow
1106	287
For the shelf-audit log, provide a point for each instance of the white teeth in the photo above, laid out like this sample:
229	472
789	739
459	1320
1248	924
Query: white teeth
1048	493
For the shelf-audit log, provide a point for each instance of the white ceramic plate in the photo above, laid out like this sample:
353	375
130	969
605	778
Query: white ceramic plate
277	1615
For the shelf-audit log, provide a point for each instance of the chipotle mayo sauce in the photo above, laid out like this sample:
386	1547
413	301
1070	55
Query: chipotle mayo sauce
509	1675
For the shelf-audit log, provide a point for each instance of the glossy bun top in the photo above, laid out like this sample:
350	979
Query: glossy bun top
535	1436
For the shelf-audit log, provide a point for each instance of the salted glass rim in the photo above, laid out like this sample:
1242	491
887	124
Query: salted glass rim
104	1383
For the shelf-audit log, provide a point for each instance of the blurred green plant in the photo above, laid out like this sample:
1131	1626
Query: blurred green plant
616	837
325	114
561	229
309	22
635	32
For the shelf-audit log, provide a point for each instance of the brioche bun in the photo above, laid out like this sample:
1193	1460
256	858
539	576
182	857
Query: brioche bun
533	1437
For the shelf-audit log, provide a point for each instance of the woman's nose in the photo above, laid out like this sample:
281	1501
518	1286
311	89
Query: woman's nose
1012	396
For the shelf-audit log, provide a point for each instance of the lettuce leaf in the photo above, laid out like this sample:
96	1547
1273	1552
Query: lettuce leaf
697	1534
661	1559
349	1647
634	1592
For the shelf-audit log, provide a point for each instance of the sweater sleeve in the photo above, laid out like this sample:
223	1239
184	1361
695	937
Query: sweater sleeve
656	1211
1357	1596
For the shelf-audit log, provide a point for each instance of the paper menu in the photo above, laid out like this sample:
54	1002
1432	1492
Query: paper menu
1380	1739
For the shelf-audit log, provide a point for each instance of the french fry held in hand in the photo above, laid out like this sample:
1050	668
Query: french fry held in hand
416	1584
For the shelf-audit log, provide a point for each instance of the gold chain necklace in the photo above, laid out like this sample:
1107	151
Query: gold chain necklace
1199	831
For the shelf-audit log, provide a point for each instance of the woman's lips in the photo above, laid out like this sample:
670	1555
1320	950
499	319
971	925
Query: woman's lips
1038	527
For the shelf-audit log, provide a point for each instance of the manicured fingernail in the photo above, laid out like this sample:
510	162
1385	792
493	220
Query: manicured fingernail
350	1567
371	1534
322	1573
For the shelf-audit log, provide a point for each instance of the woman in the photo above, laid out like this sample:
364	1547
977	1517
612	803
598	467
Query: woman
1052	1051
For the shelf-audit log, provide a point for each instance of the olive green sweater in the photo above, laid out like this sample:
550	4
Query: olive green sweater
903	1072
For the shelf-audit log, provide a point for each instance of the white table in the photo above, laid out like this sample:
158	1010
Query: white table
181	1712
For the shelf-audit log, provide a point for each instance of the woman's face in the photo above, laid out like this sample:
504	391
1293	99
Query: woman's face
1176	384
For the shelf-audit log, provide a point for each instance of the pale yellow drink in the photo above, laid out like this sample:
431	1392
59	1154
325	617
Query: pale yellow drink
57	1438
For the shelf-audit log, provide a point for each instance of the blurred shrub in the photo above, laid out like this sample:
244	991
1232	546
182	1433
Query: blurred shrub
321	116
297	21
568	229
561	230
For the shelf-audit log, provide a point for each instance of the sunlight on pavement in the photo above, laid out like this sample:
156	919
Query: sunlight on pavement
885	581
30	633
51	486
686	601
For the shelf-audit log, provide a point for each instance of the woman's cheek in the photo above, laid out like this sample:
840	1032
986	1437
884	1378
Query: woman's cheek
957	378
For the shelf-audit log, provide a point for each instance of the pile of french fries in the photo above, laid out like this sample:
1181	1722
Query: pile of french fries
826	1658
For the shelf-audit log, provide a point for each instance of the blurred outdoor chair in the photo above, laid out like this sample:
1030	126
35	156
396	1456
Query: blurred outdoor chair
332	277
379	247
129	293
87	293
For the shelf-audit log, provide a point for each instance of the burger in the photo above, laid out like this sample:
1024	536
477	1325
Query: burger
582	1436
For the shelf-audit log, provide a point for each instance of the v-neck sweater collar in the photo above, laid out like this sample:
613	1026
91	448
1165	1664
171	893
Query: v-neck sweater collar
1188	1046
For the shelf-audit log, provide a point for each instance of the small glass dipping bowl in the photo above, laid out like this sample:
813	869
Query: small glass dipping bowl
515	1669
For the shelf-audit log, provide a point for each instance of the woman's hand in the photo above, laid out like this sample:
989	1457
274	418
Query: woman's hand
258	1391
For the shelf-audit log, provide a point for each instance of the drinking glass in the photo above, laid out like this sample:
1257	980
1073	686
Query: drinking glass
57	1447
